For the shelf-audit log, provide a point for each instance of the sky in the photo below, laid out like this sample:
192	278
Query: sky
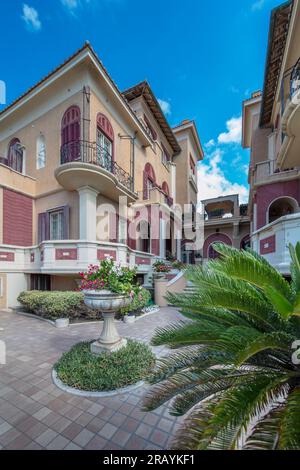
202	59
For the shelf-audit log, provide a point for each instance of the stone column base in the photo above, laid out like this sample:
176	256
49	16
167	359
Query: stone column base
97	347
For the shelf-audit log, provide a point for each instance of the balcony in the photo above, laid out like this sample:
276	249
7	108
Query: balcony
156	196
15	180
87	164
266	173
70	257
290	92
272	241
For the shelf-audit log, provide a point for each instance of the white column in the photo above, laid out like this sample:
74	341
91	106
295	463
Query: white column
87	213
173	181
178	242
254	217
162	239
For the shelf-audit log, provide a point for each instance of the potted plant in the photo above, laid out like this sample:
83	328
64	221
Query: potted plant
109	288
160	269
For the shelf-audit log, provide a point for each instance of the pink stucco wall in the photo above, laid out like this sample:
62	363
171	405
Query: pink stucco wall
268	193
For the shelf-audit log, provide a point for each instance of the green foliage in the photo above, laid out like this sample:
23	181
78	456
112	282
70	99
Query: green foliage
81	369
233	370
141	299
56	304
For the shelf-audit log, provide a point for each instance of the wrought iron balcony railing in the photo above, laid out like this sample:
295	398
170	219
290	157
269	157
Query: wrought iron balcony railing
91	152
290	84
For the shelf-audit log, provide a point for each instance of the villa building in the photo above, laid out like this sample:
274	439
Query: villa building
271	130
225	221
70	148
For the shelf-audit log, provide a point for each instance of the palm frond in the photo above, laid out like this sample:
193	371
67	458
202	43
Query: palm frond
244	266
187	334
265	434
264	342
290	425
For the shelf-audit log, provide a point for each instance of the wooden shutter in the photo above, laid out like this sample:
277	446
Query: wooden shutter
113	227
145	186
43	227
66	222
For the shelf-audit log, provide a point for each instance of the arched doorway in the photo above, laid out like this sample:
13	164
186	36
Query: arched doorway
208	250
105	142
70	135
281	207
149	181
245	243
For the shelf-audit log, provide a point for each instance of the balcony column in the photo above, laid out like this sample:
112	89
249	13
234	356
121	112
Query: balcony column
87	213
162	238
178	245
173	181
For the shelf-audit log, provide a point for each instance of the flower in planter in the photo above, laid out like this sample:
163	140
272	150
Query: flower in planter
161	267
109	276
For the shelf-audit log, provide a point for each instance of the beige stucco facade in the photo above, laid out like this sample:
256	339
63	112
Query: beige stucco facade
74	182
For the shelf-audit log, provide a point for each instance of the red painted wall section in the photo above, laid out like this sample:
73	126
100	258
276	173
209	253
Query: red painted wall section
268	245
215	238
103	254
268	193
66	254
7	256
17	219
141	260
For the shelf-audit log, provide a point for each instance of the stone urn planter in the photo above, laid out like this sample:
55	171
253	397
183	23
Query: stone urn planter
108	303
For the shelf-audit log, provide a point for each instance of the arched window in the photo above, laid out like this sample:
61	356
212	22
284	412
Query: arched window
165	188
15	157
281	207
40	152
149	180
70	135
105	142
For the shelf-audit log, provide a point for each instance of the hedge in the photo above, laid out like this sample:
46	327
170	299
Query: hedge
56	304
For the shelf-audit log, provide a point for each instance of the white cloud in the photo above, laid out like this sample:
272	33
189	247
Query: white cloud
31	18
234	132
211	143
71	4
165	106
258	5
212	181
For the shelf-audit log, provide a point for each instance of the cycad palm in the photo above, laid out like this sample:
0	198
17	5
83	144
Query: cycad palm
233	372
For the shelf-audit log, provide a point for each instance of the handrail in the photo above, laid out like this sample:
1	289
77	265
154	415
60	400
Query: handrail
93	153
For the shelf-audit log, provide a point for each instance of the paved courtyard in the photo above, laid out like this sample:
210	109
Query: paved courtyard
35	414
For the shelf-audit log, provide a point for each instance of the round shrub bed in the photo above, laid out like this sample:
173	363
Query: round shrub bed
80	369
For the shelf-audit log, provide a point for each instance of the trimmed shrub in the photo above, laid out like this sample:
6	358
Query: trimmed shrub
56	304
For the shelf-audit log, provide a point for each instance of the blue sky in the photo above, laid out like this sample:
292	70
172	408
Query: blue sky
201	59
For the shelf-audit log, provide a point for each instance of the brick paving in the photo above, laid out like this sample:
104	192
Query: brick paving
35	414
